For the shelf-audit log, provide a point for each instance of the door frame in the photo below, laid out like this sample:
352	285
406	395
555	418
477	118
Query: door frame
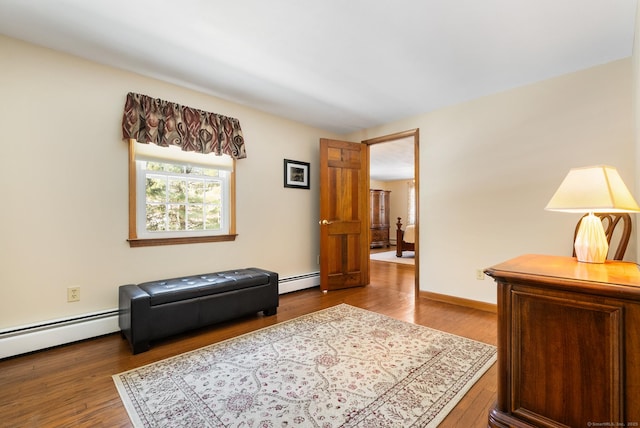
415	133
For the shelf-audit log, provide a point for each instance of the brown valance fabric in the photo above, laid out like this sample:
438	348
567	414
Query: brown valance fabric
152	120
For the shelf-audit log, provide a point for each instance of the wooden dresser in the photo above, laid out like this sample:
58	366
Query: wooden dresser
379	218
568	343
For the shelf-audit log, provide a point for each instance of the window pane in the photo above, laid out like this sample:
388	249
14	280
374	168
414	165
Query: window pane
213	192
169	167
196	191
213	217
156	188
211	172
153	166
195	170
195	217
177	190
156	218
177	216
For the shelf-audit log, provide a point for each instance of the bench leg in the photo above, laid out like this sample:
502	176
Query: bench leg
139	347
270	311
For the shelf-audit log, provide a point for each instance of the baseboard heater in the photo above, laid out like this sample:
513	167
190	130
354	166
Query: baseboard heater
298	282
34	337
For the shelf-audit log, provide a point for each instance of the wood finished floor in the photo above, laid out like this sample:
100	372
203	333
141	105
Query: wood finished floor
71	385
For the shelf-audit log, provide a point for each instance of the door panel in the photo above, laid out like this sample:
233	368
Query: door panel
344	216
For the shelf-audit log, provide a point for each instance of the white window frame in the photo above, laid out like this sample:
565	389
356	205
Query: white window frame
138	235
141	209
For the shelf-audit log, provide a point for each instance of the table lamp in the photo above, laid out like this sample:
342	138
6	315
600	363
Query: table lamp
592	189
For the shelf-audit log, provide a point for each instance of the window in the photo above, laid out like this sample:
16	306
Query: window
180	197
411	202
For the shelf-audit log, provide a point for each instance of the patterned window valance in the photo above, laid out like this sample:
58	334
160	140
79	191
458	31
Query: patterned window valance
152	120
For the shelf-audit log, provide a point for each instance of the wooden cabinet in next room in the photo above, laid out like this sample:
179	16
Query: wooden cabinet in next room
379	218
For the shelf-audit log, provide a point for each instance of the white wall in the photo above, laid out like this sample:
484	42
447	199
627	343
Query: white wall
399	203
489	166
377	184
63	181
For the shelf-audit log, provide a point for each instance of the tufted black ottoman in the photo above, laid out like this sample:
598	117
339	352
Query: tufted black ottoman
158	309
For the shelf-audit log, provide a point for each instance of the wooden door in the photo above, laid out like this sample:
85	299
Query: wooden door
344	214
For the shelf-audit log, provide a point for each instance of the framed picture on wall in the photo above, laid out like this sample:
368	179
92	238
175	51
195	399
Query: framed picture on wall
296	174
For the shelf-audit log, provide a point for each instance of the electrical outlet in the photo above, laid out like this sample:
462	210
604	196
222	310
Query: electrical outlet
479	274
73	294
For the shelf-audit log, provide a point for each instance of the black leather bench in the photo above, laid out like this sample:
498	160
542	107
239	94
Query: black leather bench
158	309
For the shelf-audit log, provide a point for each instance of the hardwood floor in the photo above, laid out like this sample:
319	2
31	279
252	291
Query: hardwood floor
71	385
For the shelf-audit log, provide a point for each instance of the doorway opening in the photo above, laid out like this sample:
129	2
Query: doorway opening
394	192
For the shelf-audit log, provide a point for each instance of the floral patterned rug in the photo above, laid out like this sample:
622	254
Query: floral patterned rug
339	367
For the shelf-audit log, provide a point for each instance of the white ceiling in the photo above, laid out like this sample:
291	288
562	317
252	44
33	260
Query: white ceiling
392	160
339	65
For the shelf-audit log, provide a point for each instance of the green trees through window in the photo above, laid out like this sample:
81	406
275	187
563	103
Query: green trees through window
182	197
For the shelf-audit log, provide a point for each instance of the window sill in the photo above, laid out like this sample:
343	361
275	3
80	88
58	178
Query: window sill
153	242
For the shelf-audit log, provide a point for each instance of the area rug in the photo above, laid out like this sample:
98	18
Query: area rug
408	257
339	367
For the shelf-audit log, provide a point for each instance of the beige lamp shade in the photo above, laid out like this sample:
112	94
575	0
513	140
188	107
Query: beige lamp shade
588	190
593	189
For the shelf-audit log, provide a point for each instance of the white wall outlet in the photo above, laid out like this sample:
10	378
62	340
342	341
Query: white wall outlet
480	274
73	294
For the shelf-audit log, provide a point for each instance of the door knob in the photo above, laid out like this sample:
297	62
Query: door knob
325	222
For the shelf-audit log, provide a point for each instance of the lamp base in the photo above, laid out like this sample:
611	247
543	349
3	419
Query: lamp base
591	243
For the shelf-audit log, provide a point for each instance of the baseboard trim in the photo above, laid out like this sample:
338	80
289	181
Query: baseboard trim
45	335
298	282
475	304
34	337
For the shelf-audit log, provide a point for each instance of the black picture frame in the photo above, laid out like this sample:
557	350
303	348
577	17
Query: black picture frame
296	174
